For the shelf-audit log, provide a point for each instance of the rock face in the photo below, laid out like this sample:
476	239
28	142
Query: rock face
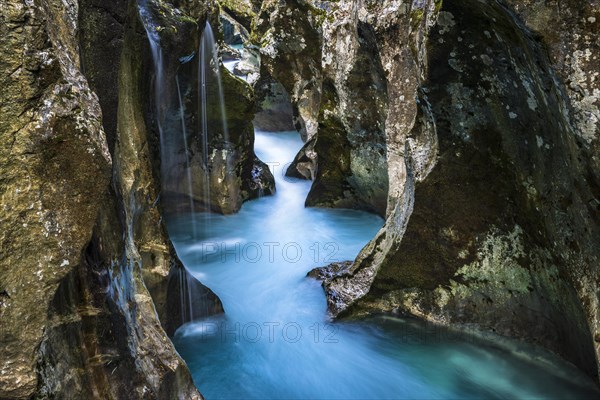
219	164
487	117
569	31
55	170
234	33
241	11
86	267
290	43
351	165
504	231
275	112
337	88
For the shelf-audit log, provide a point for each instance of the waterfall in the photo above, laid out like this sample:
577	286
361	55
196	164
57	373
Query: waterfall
159	93
208	33
202	103
188	164
183	147
209	62
162	105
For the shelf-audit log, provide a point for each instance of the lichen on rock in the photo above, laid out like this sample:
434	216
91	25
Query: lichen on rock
487	166
85	257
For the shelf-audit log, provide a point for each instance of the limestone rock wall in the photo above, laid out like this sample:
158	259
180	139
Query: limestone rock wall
410	135
86	266
569	31
503	233
490	136
328	61
288	34
274	107
230	173
55	171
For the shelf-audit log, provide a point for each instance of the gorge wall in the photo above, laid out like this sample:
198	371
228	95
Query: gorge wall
87	270
504	228
339	104
485	114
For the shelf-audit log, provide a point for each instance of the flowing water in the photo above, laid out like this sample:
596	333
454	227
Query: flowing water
170	119
275	340
209	71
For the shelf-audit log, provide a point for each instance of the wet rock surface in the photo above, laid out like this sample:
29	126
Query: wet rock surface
219	179
274	108
234	33
290	44
305	163
486	116
202	301
327	273
336	300
330	66
241	11
479	229
85	257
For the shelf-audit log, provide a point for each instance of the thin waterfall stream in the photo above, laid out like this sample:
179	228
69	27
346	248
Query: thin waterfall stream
188	151
170	118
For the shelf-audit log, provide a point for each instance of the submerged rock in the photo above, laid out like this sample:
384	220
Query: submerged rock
336	300
305	163
327	273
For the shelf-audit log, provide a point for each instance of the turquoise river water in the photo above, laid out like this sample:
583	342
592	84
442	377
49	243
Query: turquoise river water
275	340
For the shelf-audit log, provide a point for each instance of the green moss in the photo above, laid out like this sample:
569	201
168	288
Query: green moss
187	19
332	145
238	6
319	14
416	16
241	11
497	271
